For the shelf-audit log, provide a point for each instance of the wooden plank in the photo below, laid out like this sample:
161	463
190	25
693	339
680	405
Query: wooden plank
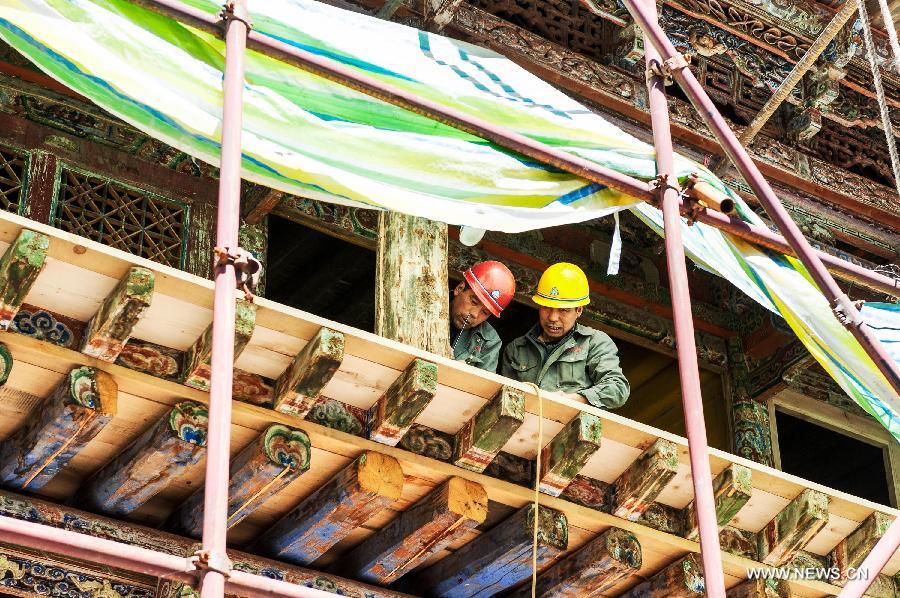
850	552
58	429
371	483
6	363
111	327
398	407
265	467
19	268
593	570
152	461
482	437
793	527
681	579
498	559
299	386
198	358
731	490
639	485
565	455
446	514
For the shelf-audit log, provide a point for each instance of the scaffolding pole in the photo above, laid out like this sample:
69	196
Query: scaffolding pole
874	563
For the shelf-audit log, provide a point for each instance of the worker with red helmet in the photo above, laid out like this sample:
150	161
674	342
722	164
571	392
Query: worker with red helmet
488	287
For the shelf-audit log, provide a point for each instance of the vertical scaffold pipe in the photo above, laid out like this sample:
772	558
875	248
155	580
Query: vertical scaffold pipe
215	503
688	373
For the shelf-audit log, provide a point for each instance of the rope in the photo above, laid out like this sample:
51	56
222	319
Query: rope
56	453
537	492
428	546
891	31
259	493
879	89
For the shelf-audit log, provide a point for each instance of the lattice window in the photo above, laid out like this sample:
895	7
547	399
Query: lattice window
12	177
129	219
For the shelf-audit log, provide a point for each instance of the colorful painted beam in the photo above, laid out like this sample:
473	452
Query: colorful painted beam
593	570
150	463
793	528
498	559
197	359
564	456
444	515
6	363
73	414
396	410
298	388
738	542
850	552
588	492
111	327
482	437
264	468
760	588
731	491
371	483
19	268
639	485
681	579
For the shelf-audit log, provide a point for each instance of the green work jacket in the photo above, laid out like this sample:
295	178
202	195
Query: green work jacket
586	362
479	346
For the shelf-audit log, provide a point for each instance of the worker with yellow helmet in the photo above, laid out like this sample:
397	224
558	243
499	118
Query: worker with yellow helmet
561	355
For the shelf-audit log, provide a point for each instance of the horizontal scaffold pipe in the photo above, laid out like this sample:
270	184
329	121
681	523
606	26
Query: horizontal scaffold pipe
534	149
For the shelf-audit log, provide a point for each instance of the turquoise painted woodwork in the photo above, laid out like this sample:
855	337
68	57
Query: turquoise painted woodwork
482	437
396	410
19	268
298	388
564	456
681	579
111	327
197	359
264	468
150	463
639	485
6	363
73	414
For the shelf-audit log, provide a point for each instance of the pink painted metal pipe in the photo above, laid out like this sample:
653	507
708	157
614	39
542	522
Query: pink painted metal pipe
873	564
656	37
215	502
688	369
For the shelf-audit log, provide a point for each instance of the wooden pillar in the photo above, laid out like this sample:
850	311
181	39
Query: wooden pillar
19	268
154	459
482	437
111	327
412	297
793	528
299	386
681	579
197	359
369	484
564	456
42	187
396	410
852	550
640	484
731	490
73	414
498	559
445	514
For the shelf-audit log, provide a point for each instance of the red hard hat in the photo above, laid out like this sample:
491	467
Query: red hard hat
493	283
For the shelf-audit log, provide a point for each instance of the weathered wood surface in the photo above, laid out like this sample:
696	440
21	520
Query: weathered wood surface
738	542
681	579
644	480
498	559
444	515
58	429
850	552
369	484
588	492
265	467
198	358
482	437
760	588
299	386
793	527
401	404
412	296
593	570
6	363
111	327
19	268
564	456
731	491
151	462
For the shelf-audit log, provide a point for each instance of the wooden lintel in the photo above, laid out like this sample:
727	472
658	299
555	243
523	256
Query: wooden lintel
595	569
564	456
445	514
257	201
299	386
760	588
371	483
681	579
6	363
396	410
498	559
73	414
197	359
150	463
639	485
731	491
19	268
793	527
264	468
111	327
482	437
850	552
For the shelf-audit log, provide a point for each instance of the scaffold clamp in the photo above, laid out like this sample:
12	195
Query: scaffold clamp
847	311
228	14
206	560
248	270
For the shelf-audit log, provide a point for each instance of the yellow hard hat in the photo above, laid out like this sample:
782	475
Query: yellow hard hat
562	285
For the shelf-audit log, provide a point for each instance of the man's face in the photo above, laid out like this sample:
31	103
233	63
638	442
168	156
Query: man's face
556	322
466	309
